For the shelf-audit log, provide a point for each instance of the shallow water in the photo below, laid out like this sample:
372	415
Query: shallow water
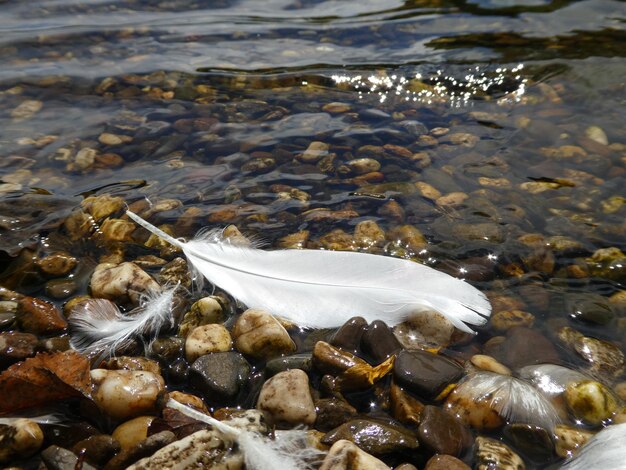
213	105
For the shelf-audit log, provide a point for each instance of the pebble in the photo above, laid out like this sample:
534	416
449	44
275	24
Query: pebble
60	288
124	282
590	401
260	335
374	437
58	458
568	439
39	317
143	449
207	339
118	230
424	330
504	320
345	455
522	347
123	394
488	363
203	312
368	234
131	432
97	450
332	412
100	207
314	152
425	373
107	138
409	237
331	360
596	134
491	454
20	439
286	399
26	109
296	361
379	342
348	336
57	264
133	363
445	462
404	407
220	376
361	166
336	107
533	441
16	346
441	433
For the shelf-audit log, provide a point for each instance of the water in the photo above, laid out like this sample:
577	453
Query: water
514	110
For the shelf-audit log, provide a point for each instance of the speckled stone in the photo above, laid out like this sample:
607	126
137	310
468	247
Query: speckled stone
424	373
57	264
491	454
207	339
220	376
39	317
424	330
590	401
97	450
133	431
332	412
16	346
286	398
58	458
345	455
568	439
143	449
259	334
22	438
506	319
125	282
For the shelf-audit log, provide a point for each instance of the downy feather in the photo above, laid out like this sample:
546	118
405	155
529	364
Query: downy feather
551	379
290	452
323	289
605	450
99	327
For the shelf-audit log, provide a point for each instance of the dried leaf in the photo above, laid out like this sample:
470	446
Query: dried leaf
43	379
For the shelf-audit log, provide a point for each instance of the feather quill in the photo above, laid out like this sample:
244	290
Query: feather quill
290	452
323	289
604	450
99	327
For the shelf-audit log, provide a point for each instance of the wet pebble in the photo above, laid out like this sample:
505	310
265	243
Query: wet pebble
424	330
590	401
97	450
488	363
39	317
491	453
605	360
524	346
348	336
441	433
259	334
425	373
143	449
57	264
379	342
286	398
125	282
345	455
445	462
332	412
19	439
16	346
204	311
533	441
131	432
58	458
220	376
405	407
568	439
60	288
314	152
374	437
296	361
207	339
506	319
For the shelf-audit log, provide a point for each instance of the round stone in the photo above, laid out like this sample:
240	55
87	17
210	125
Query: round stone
207	339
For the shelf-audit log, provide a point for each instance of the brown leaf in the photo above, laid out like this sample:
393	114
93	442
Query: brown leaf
43	379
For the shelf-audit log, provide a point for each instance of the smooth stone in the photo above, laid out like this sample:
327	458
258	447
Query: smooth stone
424	373
260	335
488	363
523	347
58	458
22	438
15	347
7	319
144	449
504	320
220	377
123	394
568	439
314	152
332	412
125	282
60	288
379	342
345	455
175	272
368	234
441	433
97	450
132	432
331	360
348	336
39	317
103	206
203	312
404	407
202	449
283	363
424	330
532	441
445	462
589	308
491	454
167	349
361	166
133	363
117	230
57	264
57	434
286	398
590	401
606	361
374	437
207	339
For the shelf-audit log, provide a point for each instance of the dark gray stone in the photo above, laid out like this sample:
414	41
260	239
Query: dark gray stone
220	376
425	373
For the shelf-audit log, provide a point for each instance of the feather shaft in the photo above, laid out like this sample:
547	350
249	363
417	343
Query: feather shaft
323	289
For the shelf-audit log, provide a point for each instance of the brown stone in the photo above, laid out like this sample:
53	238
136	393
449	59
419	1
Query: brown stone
39	317
445	462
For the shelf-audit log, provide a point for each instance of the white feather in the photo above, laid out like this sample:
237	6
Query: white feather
513	399
98	327
290	452
605	450
323	289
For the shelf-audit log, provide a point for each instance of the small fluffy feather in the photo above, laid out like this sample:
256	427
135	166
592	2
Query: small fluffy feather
513	399
260	453
99	327
551	379
605	450
323	289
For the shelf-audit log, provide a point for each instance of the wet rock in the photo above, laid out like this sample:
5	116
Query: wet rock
488	363
174	272
144	449
491	453
259	334
596	134
361	166
57	264
568	439
259	165
332	412
286	398
532	441
22	438
202	449
424	373
404	407
294	241
455	199
590	401
348	336
55	343
122	283
409	237
331	360
220	376
132	363
314	152
58	458
283	363
167	349
523	347
39	317
207	339
504	320
203	312
368	234
100	207
441	433
125	393
374	437
117	230
97	450
589	308
481	231
445	462
424	330
60	288
606	361
336	107
379	342
132	432
345	455
26	109
15	347
107	138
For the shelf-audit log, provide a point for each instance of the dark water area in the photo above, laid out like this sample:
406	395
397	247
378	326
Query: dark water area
484	138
